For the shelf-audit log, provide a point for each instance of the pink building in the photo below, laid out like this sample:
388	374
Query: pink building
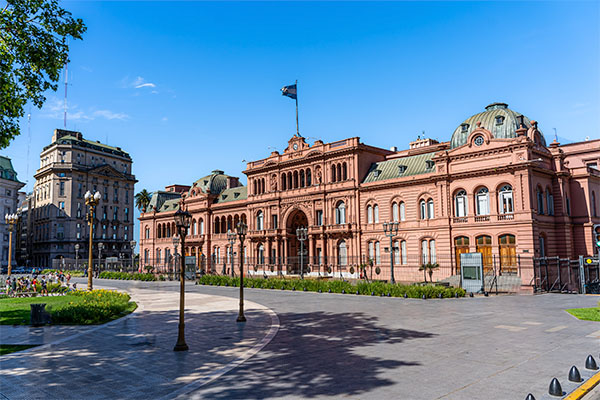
496	188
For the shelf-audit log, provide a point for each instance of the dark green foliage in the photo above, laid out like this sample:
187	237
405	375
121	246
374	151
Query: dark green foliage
33	51
337	286
127	276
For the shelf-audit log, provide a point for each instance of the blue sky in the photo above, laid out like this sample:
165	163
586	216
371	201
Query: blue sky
188	87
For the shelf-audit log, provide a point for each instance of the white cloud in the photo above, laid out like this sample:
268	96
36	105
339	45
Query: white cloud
145	85
164	119
140	82
110	115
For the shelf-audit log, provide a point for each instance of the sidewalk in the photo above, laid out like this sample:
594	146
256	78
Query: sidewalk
132	357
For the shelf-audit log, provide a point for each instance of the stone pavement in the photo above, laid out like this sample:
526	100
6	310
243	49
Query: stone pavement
132	358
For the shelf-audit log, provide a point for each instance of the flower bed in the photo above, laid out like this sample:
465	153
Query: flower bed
337	286
127	276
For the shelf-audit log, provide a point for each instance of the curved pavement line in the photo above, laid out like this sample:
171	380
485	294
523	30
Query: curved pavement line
197	384
139	308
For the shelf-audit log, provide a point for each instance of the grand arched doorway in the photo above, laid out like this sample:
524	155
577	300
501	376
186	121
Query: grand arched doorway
296	220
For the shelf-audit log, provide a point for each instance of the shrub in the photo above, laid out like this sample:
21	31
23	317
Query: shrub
364	288
95	307
127	276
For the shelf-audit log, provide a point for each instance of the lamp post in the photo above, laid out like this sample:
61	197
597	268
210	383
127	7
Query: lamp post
391	229
132	243
11	220
241	229
175	244
301	234
182	221
100	247
91	201
76	256
231	239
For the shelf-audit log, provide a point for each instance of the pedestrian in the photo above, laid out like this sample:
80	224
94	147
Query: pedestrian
68	279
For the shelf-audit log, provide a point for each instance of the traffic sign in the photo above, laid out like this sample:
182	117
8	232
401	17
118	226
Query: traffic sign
590	261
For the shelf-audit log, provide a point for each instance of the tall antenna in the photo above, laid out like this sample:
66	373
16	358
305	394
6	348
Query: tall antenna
66	82
28	140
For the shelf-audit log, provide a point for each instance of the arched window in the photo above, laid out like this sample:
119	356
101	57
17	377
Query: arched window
223	224
484	246
168	230
218	254
263	187
259	221
505	200
340	213
594	209
403	252
283	182
201	226
372	251
333	174
301	178
424	252
369	214
402	211
158	256
147	233
217	225
423	207
308	177
344	171
550	202
396	252
395	212
376	213
290	183
430	210
461	205
339	172
377	253
261	254
146	254
194	227
295	179
432	256
540	201
483	201
342	253
542	243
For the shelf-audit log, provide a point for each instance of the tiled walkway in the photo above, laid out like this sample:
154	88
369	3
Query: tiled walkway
132	357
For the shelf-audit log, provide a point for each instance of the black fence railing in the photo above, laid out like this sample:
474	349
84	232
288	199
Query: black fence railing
555	274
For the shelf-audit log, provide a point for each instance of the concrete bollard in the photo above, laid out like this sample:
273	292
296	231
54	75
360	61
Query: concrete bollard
529	397
389	294
471	294
406	295
440	296
343	291
372	293
555	389
574	375
590	363
293	288
329	291
486	294
304	289
424	297
357	292
455	295
320	291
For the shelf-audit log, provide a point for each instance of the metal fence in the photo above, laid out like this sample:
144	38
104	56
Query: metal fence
563	275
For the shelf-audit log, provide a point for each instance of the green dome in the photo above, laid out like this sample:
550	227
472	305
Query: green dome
497	118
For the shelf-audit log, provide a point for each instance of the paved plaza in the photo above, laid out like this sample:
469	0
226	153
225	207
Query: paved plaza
308	345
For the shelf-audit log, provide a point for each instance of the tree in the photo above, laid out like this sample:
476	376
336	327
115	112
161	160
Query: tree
428	270
33	50
142	199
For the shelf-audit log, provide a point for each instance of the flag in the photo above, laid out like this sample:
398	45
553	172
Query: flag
289	91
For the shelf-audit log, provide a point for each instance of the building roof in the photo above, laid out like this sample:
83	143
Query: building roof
70	139
6	170
169	205
505	130
390	169
159	198
214	183
233	194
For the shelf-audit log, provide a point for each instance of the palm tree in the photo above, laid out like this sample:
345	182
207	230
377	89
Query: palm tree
428	270
142	199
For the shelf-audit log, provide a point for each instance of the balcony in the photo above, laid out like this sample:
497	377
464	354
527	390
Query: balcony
506	217
482	218
460	220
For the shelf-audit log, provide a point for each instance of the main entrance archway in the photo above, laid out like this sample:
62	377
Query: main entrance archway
295	220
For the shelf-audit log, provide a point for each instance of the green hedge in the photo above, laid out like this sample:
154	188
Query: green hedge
73	273
337	286
95	307
127	276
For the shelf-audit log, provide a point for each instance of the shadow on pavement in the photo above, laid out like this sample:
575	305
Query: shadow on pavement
316	354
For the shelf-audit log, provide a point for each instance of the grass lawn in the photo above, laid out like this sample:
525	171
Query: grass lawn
11	348
587	314
16	311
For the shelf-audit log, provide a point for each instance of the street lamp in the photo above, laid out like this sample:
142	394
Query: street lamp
76	256
301	234
231	239
132	243
241	229
175	244
100	247
11	220
182	221
91	201
391	229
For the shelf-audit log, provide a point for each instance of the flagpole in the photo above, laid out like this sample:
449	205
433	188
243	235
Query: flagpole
297	127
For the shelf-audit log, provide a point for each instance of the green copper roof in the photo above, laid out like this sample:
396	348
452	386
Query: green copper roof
214	183
233	194
412	165
501	129
169	205
159	198
6	169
